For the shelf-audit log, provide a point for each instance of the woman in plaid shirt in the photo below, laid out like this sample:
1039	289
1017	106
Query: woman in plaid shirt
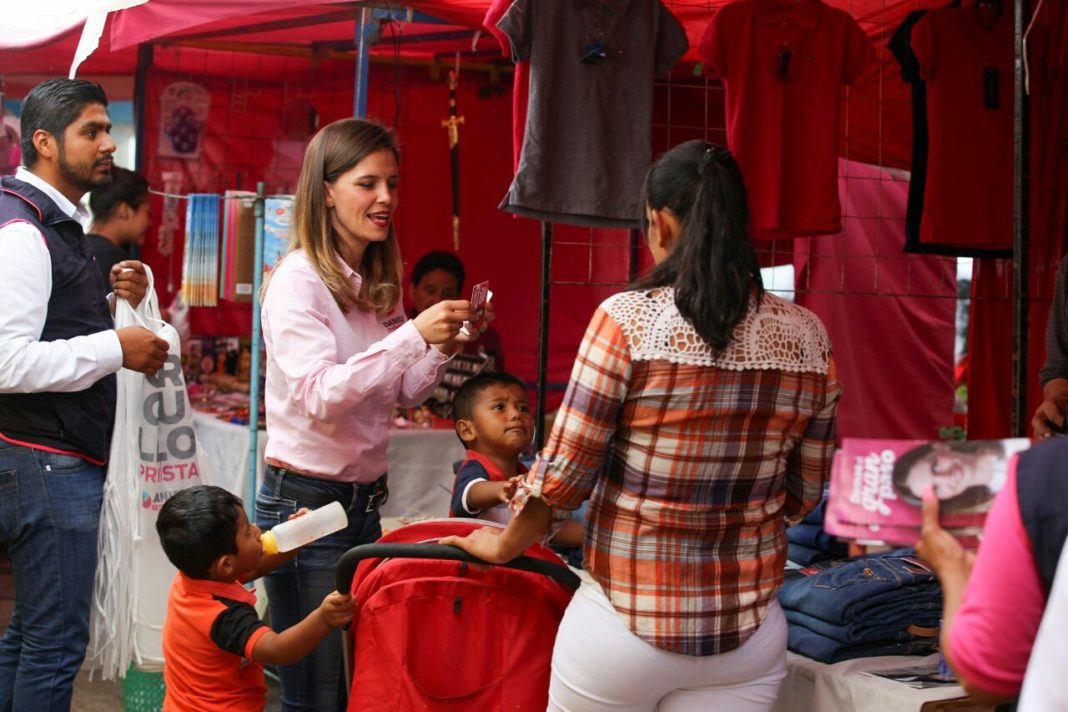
700	416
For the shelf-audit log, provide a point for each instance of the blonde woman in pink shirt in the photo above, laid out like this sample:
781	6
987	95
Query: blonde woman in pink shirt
340	354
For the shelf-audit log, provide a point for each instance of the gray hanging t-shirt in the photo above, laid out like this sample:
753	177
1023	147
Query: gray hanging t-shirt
586	146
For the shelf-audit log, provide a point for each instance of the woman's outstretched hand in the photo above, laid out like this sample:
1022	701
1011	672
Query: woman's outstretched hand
482	543
441	323
499	546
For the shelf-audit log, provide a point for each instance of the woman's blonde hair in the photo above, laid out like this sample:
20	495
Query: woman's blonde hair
336	149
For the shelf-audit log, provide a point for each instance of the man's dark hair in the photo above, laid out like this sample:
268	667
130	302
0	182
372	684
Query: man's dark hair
198	525
126	186
463	403
439	259
54	105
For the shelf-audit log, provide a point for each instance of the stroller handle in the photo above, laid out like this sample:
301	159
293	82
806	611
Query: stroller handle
346	566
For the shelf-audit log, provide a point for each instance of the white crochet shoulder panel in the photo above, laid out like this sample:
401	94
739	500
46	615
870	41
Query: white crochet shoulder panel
779	336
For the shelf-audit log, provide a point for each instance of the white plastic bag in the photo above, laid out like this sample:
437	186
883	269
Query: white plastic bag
153	455
178	316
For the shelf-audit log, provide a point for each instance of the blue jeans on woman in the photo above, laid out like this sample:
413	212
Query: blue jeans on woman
49	516
296	588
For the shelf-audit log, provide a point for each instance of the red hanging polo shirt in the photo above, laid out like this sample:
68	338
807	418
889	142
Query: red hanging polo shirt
968	67
520	83
783	64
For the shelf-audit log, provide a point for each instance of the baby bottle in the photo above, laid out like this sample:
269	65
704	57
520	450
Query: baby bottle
298	532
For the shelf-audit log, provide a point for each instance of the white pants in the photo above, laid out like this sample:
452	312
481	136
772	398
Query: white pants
599	664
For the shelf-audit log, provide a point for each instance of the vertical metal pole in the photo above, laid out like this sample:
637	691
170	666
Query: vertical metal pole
634	259
254	380
144	62
1021	194
365	25
543	330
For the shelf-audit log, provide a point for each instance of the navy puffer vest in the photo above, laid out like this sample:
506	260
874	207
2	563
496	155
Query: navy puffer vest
78	422
1042	488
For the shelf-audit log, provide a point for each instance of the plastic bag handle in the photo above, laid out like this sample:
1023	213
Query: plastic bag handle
148	310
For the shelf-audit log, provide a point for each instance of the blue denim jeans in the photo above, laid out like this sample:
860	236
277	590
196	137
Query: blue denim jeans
816	515
874	630
862	588
49	516
295	589
828	650
806	556
812	536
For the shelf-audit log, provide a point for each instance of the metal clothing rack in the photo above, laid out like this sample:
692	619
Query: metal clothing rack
1021	228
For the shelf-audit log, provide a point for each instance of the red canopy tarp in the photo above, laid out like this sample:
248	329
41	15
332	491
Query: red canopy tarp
878	132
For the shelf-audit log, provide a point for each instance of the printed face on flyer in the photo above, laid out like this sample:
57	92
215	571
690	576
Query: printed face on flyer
951	468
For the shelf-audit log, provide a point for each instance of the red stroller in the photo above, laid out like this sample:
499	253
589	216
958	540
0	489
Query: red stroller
433	632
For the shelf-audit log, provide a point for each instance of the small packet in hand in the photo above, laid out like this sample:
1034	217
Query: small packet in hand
480	294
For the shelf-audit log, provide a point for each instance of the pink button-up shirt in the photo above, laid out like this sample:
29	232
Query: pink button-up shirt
333	378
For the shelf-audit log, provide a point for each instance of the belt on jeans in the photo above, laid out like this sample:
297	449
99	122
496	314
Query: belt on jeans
376	493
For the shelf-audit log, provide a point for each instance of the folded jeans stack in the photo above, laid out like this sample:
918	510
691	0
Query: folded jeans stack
884	604
808	543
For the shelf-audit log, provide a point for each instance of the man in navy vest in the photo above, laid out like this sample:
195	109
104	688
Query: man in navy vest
59	352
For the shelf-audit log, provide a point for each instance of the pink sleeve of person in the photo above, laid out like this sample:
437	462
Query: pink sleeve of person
998	619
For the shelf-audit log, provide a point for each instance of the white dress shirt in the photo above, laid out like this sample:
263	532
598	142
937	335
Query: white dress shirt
1044	686
28	365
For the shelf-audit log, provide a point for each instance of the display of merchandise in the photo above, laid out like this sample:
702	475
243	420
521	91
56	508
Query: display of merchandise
200	264
965	56
184	108
227	406
460	368
277	229
238	244
783	64
883	604
586	144
919	677
877	485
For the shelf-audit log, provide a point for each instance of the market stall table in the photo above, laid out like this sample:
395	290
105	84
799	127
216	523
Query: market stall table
419	460
812	686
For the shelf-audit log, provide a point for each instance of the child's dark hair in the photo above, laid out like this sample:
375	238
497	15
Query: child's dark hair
713	266
198	525
439	259
126	187
463	403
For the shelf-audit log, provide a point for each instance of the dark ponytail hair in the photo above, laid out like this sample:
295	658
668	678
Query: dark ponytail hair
712	266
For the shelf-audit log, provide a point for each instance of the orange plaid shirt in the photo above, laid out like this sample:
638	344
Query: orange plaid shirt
691	462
